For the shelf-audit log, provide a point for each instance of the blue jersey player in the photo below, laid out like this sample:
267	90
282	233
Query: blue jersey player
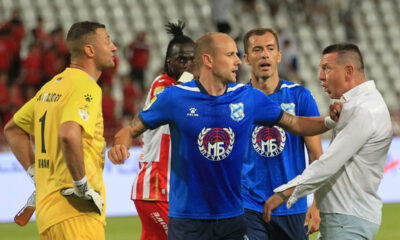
276	156
210	128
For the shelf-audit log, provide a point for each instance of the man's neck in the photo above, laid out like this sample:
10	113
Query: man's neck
87	67
213	85
267	85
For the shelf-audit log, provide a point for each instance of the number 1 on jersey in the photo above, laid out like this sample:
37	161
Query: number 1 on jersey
43	120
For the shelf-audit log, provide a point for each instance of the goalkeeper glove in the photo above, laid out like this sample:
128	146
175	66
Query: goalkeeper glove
31	172
82	190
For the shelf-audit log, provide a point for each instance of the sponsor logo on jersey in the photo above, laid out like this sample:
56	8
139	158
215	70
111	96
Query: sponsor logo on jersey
158	90
150	103
157	218
237	111
216	144
192	112
289	108
268	142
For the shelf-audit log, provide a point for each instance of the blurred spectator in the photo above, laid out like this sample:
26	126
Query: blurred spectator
30	92
249	6
108	74
288	67
58	39
4	52
52	63
130	96
348	22
38	32
4	97
15	101
32	66
17	33
108	105
221	14
283	36
138	56
273	6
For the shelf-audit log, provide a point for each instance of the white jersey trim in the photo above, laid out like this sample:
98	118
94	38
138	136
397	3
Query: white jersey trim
193	89
290	86
231	89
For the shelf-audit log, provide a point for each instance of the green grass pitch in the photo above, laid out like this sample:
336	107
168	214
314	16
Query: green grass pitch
128	228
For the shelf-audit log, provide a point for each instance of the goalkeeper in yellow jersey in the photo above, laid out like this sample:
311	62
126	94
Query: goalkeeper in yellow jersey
66	121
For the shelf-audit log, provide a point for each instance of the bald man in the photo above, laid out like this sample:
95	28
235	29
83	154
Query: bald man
210	128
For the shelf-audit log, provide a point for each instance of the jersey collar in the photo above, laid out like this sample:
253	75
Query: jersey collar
203	90
278	87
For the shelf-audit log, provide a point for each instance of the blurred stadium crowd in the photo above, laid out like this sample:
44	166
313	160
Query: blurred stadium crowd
33	49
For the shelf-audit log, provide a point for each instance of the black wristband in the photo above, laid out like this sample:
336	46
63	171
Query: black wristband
283	196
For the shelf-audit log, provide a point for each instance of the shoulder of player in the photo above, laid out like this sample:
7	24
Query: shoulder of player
294	87
238	87
162	81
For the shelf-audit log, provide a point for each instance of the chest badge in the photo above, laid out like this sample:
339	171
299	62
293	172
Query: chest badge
237	111
216	144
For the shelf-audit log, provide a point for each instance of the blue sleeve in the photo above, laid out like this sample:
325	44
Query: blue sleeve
308	106
157	112
266	112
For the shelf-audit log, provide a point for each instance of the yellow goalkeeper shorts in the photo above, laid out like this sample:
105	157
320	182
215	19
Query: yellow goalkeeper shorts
80	228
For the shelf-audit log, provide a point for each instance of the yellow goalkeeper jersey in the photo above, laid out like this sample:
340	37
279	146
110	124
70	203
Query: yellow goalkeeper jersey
70	96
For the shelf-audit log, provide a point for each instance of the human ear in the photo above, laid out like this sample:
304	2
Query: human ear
207	60
89	50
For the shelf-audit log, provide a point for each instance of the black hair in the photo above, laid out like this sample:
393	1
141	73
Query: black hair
78	34
258	32
346	51
176	30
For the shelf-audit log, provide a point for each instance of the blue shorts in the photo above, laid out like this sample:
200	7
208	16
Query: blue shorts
200	229
280	227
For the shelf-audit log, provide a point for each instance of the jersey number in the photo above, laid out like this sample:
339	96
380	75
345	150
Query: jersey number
43	120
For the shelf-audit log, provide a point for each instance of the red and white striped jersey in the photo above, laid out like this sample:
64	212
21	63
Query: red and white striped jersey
152	180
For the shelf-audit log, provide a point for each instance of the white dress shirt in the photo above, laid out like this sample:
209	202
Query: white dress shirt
348	175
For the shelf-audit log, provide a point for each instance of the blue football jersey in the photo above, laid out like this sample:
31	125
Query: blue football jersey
209	142
275	155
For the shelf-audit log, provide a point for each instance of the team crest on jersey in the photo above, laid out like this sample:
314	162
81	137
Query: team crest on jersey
289	108
268	142
237	111
216	143
84	112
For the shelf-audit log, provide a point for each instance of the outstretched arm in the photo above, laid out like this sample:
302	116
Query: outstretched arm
310	126
123	140
302	126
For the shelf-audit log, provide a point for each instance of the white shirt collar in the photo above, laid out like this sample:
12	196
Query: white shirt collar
357	90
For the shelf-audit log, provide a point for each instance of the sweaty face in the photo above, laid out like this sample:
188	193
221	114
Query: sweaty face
181	59
225	60
104	50
263	55
332	76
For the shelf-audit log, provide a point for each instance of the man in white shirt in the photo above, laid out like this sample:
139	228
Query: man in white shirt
346	178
